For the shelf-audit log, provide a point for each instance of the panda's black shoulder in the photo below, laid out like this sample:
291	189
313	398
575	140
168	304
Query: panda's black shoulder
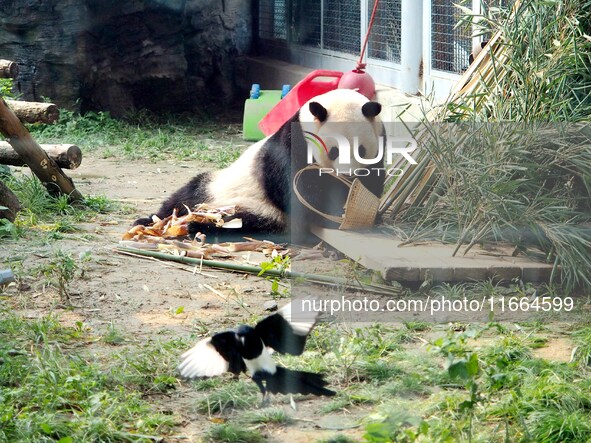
276	161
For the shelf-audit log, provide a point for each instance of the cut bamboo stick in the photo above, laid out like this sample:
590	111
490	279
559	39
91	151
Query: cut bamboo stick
257	270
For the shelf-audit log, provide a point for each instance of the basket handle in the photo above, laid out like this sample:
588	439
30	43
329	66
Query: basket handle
296	180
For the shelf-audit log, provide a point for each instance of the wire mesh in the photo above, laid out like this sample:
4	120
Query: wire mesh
342	26
384	40
273	19
450	44
306	28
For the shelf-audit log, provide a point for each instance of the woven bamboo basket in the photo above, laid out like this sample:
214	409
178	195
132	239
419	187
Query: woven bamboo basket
361	206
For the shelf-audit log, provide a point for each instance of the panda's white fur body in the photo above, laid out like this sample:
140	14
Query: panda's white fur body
259	181
234	185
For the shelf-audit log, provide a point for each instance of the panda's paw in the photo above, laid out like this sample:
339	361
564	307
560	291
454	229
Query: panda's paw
195	228
146	221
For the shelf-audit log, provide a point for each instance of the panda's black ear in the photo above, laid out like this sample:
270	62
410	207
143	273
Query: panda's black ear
318	111
371	109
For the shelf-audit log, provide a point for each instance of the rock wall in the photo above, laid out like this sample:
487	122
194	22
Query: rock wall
124	55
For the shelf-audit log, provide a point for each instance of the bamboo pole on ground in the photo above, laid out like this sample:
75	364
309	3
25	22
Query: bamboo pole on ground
257	270
36	158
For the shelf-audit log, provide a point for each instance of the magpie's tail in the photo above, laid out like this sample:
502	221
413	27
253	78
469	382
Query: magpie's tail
286	381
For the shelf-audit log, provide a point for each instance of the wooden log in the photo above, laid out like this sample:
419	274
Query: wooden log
8	200
34	112
36	158
8	69
65	155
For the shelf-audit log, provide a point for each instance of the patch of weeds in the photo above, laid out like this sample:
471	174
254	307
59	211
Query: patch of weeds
146	137
9	230
51	395
241	394
229	433
511	348
377	370
60	271
113	336
418	326
51	215
339	438
151	366
559	425
397	426
536	342
275	415
6	88
487	288
342	401
452	292
582	354
100	204
206	384
279	263
408	385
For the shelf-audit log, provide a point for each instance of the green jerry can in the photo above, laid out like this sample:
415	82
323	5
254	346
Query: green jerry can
256	107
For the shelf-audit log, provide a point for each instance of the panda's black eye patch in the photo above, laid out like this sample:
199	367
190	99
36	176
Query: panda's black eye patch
362	151
333	153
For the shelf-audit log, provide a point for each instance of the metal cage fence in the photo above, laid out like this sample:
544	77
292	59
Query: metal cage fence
450	44
273	19
384	40
342	26
306	22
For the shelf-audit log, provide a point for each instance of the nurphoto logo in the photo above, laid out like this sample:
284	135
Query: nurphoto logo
387	149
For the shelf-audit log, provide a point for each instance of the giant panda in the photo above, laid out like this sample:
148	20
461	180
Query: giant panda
259	181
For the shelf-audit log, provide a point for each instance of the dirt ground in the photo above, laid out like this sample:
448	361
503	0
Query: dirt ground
141	297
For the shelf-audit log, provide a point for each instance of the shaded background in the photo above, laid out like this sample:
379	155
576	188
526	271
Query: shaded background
121	55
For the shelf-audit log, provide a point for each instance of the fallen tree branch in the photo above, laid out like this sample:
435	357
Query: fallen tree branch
9	201
41	165
8	69
34	112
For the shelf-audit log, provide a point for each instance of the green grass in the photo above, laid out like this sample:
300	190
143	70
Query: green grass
242	394
338	439
582	354
229	433
146	137
51	395
273	415
53	388
47	216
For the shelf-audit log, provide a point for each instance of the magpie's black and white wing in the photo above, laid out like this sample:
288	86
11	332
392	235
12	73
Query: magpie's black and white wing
213	356
286	330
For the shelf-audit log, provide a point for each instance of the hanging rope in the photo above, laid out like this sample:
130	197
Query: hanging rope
360	64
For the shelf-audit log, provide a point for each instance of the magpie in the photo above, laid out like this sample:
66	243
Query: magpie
249	349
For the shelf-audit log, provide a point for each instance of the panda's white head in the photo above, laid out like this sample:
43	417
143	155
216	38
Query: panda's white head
348	114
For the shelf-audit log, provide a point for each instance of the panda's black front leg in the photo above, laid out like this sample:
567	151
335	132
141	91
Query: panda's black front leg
252	225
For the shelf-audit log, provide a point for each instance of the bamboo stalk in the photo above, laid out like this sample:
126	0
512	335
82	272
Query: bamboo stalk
257	270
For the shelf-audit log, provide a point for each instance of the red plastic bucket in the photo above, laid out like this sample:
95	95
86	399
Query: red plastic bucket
316	83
